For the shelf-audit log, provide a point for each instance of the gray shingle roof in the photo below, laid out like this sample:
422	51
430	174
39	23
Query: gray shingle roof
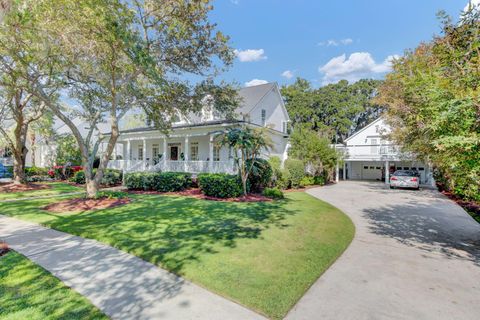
251	96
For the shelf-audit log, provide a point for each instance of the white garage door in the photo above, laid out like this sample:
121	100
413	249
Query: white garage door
371	171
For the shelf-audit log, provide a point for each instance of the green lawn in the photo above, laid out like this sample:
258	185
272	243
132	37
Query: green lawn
56	189
263	255
29	292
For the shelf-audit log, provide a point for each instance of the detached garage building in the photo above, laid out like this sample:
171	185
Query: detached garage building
369	155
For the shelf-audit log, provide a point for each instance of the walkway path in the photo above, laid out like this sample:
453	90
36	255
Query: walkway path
121	285
415	255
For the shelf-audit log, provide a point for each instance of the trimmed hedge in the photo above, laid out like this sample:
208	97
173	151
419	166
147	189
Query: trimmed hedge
273	193
111	177
158	181
220	185
36	171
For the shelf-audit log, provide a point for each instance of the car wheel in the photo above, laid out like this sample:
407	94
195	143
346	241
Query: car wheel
391	187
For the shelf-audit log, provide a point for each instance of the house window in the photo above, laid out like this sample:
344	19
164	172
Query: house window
140	153
284	126
365	167
216	153
264	117
194	151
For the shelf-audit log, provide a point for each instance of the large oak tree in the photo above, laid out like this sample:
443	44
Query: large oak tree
105	57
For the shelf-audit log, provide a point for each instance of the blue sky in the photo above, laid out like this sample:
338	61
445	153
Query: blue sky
324	41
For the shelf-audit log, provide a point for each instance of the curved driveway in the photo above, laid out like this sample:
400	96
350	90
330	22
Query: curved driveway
415	255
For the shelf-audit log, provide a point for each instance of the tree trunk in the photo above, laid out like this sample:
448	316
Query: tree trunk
20	152
19	168
33	148
92	188
244	183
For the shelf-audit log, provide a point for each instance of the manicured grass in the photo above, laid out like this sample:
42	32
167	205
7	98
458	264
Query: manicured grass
56	189
29	292
263	255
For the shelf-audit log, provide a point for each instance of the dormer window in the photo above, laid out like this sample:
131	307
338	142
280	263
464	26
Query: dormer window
207	113
264	117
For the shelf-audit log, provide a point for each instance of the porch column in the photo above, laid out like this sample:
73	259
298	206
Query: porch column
210	153
129	150
387	172
164	153
185	154
344	170
337	172
115	152
144	153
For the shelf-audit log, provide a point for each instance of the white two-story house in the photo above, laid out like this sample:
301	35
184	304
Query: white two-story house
368	155
191	144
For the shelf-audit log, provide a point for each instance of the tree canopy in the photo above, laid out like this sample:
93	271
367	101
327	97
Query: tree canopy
433	102
340	108
108	56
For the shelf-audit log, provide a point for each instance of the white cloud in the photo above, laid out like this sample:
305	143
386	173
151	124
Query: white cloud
250	55
287	74
336	43
255	82
235	2
358	65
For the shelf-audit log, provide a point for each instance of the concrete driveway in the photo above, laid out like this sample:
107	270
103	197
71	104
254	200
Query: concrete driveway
415	255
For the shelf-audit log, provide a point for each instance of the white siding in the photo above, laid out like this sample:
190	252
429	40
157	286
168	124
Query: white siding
275	111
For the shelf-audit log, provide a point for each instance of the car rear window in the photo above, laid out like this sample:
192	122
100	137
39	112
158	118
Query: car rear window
402	173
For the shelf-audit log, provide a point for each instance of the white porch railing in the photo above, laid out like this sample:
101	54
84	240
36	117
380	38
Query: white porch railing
175	166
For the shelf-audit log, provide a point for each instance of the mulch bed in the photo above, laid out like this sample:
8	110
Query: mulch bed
471	206
11	187
196	193
3	248
85	204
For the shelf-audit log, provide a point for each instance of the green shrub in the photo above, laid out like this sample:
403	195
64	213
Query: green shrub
220	185
296	170
283	181
78	177
158	181
36	171
172	181
319	180
261	174
111	177
276	165
307	181
134	181
273	193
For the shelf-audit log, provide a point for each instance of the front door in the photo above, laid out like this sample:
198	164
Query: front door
174	153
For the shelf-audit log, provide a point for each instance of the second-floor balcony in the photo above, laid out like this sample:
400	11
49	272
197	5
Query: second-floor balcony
372	152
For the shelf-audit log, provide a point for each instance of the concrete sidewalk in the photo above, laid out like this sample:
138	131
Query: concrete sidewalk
121	285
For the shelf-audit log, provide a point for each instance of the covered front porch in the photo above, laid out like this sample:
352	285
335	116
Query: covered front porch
193	152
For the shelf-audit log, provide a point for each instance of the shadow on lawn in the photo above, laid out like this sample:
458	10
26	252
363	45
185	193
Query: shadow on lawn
30	291
173	231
